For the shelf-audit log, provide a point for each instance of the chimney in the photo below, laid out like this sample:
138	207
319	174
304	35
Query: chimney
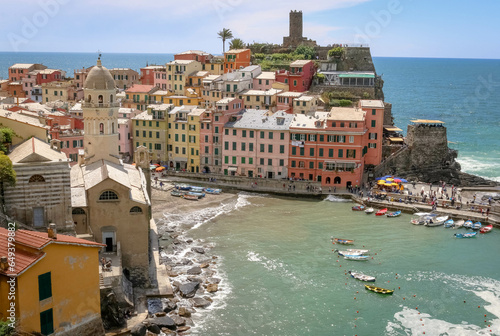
52	231
4	265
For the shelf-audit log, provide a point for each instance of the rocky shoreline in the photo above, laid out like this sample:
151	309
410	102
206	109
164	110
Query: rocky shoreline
191	267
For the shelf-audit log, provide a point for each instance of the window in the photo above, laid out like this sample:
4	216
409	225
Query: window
150	134
312	137
342	124
282	162
269	162
226	146
372	145
282	136
47	322
226	131
216	151
108	195
234	145
351	138
330	152
320	165
311	151
262	148
36	178
234	159
301	164
226	159
321	152
78	211
216	129
372	136
262	161
250	160
243	146
235	132
251	134
157	146
341	153
143	134
270	148
270	135
135	210
244	133
301	151
311	165
294	150
262	135
250	147
374	112
44	286
293	164
282	149
353	125
374	123
351	153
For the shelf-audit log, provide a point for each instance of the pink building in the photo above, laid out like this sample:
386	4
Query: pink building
49	75
299	77
71	142
285	100
194	55
19	70
264	81
148	74
374	112
256	144
160	79
125	138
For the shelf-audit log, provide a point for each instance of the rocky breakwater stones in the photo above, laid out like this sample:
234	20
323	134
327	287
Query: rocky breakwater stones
199	250
194	270
188	290
200	302
156	324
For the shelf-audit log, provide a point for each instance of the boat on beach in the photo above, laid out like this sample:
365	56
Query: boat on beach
449	223
362	277
468	224
197	189
358	208
182	187
379	290
369	211
394	214
342	241
477	226
176	193
356	257
190	197
213	191
381	212
197	194
465	235
436	221
486	229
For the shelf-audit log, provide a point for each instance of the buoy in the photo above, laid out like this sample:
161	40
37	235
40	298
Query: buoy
416	307
404	299
464	301
388	280
358	292
399	287
375	253
340	265
484	315
478	306
354	298
396	273
372	257
414	295
357	311
337	261
420	319
396	277
346	283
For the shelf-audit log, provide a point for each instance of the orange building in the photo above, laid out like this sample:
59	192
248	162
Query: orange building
234	59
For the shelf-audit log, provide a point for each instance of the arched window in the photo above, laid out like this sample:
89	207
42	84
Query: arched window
78	211
108	195
100	98
336	180
36	178
110	98
89	98
328	180
135	210
101	128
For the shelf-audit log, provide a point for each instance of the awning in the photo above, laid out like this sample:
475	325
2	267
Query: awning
425	121
356	76
232	168
396	139
393	129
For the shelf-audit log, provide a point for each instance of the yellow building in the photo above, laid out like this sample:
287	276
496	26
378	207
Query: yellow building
178	72
65	91
260	99
150	130
194	139
25	124
215	66
56	283
178	137
139	96
195	82
305	104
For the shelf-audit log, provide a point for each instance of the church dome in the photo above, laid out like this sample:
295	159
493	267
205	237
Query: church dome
99	78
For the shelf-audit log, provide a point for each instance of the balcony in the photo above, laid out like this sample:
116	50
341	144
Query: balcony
100	105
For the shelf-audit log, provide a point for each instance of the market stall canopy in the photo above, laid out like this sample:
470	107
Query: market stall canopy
392	129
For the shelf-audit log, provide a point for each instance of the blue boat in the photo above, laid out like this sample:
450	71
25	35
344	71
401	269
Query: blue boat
213	191
468	224
394	214
449	223
182	187
356	257
477	226
465	235
197	194
197	189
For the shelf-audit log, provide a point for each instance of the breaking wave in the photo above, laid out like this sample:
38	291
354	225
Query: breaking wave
332	198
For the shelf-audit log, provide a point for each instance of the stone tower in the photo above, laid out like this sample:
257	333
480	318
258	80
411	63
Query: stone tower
296	25
100	116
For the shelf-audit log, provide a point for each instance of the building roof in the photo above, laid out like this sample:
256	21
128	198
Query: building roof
181	62
35	150
290	94
36	241
48	71
309	121
21	66
305	98
123	121
236	51
140	88
143	116
262	119
267	75
392	129
211	78
226	100
23	117
161	107
160	93
426	121
149	67
199	74
298	63
196	112
372	103
346	113
197	52
250	68
99	78
76	108
270	92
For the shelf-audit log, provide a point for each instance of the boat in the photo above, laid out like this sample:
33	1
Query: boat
350	252
381	212
213	191
379	290
182	187
394	214
176	193
369	211
190	197
486	229
356	257
358	208
342	241
419	218
465	235
197	189
362	277
436	221
468	224
458	224
449	223
477	226
197	194
357	251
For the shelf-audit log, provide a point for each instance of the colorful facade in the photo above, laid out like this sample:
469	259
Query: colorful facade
299	77
139	96
236	59
178	72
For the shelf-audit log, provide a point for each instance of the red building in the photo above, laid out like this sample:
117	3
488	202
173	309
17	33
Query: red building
234	59
194	55
19	70
299	77
48	75
148	74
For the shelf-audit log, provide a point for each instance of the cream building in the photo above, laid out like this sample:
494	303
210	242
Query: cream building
109	199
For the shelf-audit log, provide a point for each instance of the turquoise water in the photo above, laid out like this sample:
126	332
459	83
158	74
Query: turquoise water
280	276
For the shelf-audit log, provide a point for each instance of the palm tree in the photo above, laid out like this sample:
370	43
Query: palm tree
237	43
225	34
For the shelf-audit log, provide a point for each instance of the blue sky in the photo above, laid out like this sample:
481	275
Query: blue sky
399	28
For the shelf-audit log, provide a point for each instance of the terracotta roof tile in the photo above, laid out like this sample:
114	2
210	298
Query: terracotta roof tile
23	259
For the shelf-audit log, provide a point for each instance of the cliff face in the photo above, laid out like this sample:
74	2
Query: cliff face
427	158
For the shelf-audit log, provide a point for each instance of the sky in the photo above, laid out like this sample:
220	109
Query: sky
392	28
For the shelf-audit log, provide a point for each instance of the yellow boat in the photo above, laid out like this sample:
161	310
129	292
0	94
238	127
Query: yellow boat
379	290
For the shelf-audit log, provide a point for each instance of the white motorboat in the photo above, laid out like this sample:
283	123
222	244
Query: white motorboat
369	211
436	221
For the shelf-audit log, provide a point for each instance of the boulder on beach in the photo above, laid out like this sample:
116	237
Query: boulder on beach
204	265
139	329
186	262
188	290
154	329
194	271
168	306
200	302
183	328
183	311
163	322
212	288
198	250
179	321
213	280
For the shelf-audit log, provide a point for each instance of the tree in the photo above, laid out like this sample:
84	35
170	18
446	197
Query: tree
336	52
236	43
6	135
308	52
7	175
225	34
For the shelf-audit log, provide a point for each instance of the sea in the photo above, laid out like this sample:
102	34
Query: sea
463	93
280	276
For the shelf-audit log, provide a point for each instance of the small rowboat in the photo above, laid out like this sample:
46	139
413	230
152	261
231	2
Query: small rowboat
468	224
394	214
465	235
458	224
342	241
486	229
381	212
356	251
350	252
477	226
379	290
197	194
213	191
362	277
197	189
190	197
369	211
356	257
449	223
176	193
358	208
182	187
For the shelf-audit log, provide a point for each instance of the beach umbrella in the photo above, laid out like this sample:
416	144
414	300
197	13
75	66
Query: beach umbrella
389	179
133	164
152	167
387	176
379	178
404	181
388	184
156	164
159	169
394	184
381	182
397	180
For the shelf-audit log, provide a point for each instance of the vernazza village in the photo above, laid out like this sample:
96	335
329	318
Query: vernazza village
233	167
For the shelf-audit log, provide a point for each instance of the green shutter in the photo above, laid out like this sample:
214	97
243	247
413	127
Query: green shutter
341	153
44	286
330	152
47	322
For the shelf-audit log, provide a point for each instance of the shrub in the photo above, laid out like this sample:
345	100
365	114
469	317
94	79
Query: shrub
345	102
336	52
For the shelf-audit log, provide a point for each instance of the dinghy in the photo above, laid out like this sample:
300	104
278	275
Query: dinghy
486	229
449	223
381	212
379	290
369	211
394	214
465	235
356	257
362	277
342	241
